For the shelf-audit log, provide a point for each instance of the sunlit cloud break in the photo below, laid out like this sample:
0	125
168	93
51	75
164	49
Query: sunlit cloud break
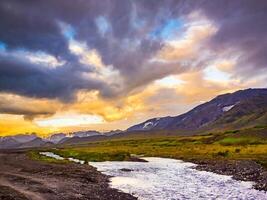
69	120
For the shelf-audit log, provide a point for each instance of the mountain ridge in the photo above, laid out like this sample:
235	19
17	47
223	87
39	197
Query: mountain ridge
204	116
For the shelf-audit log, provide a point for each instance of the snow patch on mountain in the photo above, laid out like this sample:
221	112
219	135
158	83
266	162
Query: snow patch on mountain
227	108
148	125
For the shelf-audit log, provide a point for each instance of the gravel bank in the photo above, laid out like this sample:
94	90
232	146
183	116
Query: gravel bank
22	179
243	170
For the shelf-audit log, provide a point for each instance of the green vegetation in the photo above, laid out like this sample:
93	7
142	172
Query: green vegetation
248	144
96	156
260	126
240	141
34	155
232	131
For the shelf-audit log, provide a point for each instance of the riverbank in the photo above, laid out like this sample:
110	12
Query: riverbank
22	178
243	170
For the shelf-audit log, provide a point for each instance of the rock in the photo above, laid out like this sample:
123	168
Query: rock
126	170
243	170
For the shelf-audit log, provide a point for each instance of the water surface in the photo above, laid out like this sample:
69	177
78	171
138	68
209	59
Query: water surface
169	179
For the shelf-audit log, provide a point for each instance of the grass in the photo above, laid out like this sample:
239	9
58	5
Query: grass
232	131
240	141
95	156
235	145
35	155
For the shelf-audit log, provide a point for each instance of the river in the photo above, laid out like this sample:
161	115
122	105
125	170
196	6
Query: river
170	179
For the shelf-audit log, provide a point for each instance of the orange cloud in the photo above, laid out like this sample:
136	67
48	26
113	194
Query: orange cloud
197	89
27	107
112	109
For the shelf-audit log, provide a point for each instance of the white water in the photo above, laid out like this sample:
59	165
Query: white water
52	155
57	157
169	179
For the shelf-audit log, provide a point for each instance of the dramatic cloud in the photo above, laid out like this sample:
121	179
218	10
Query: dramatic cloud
121	59
242	27
29	108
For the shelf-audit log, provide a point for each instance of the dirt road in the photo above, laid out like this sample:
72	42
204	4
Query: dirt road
22	178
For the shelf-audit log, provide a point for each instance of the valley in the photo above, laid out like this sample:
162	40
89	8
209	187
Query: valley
230	141
26	174
240	153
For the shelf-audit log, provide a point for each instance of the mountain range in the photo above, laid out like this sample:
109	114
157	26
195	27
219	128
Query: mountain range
238	110
233	110
32	140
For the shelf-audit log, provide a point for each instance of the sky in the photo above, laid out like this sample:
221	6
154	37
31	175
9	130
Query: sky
71	65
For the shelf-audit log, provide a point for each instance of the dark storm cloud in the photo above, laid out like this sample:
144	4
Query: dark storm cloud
34	26
24	26
127	44
242	27
28	114
27	79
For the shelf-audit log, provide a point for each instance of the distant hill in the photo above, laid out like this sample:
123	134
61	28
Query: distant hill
8	143
11	142
84	133
22	138
32	141
76	140
240	109
55	138
37	142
